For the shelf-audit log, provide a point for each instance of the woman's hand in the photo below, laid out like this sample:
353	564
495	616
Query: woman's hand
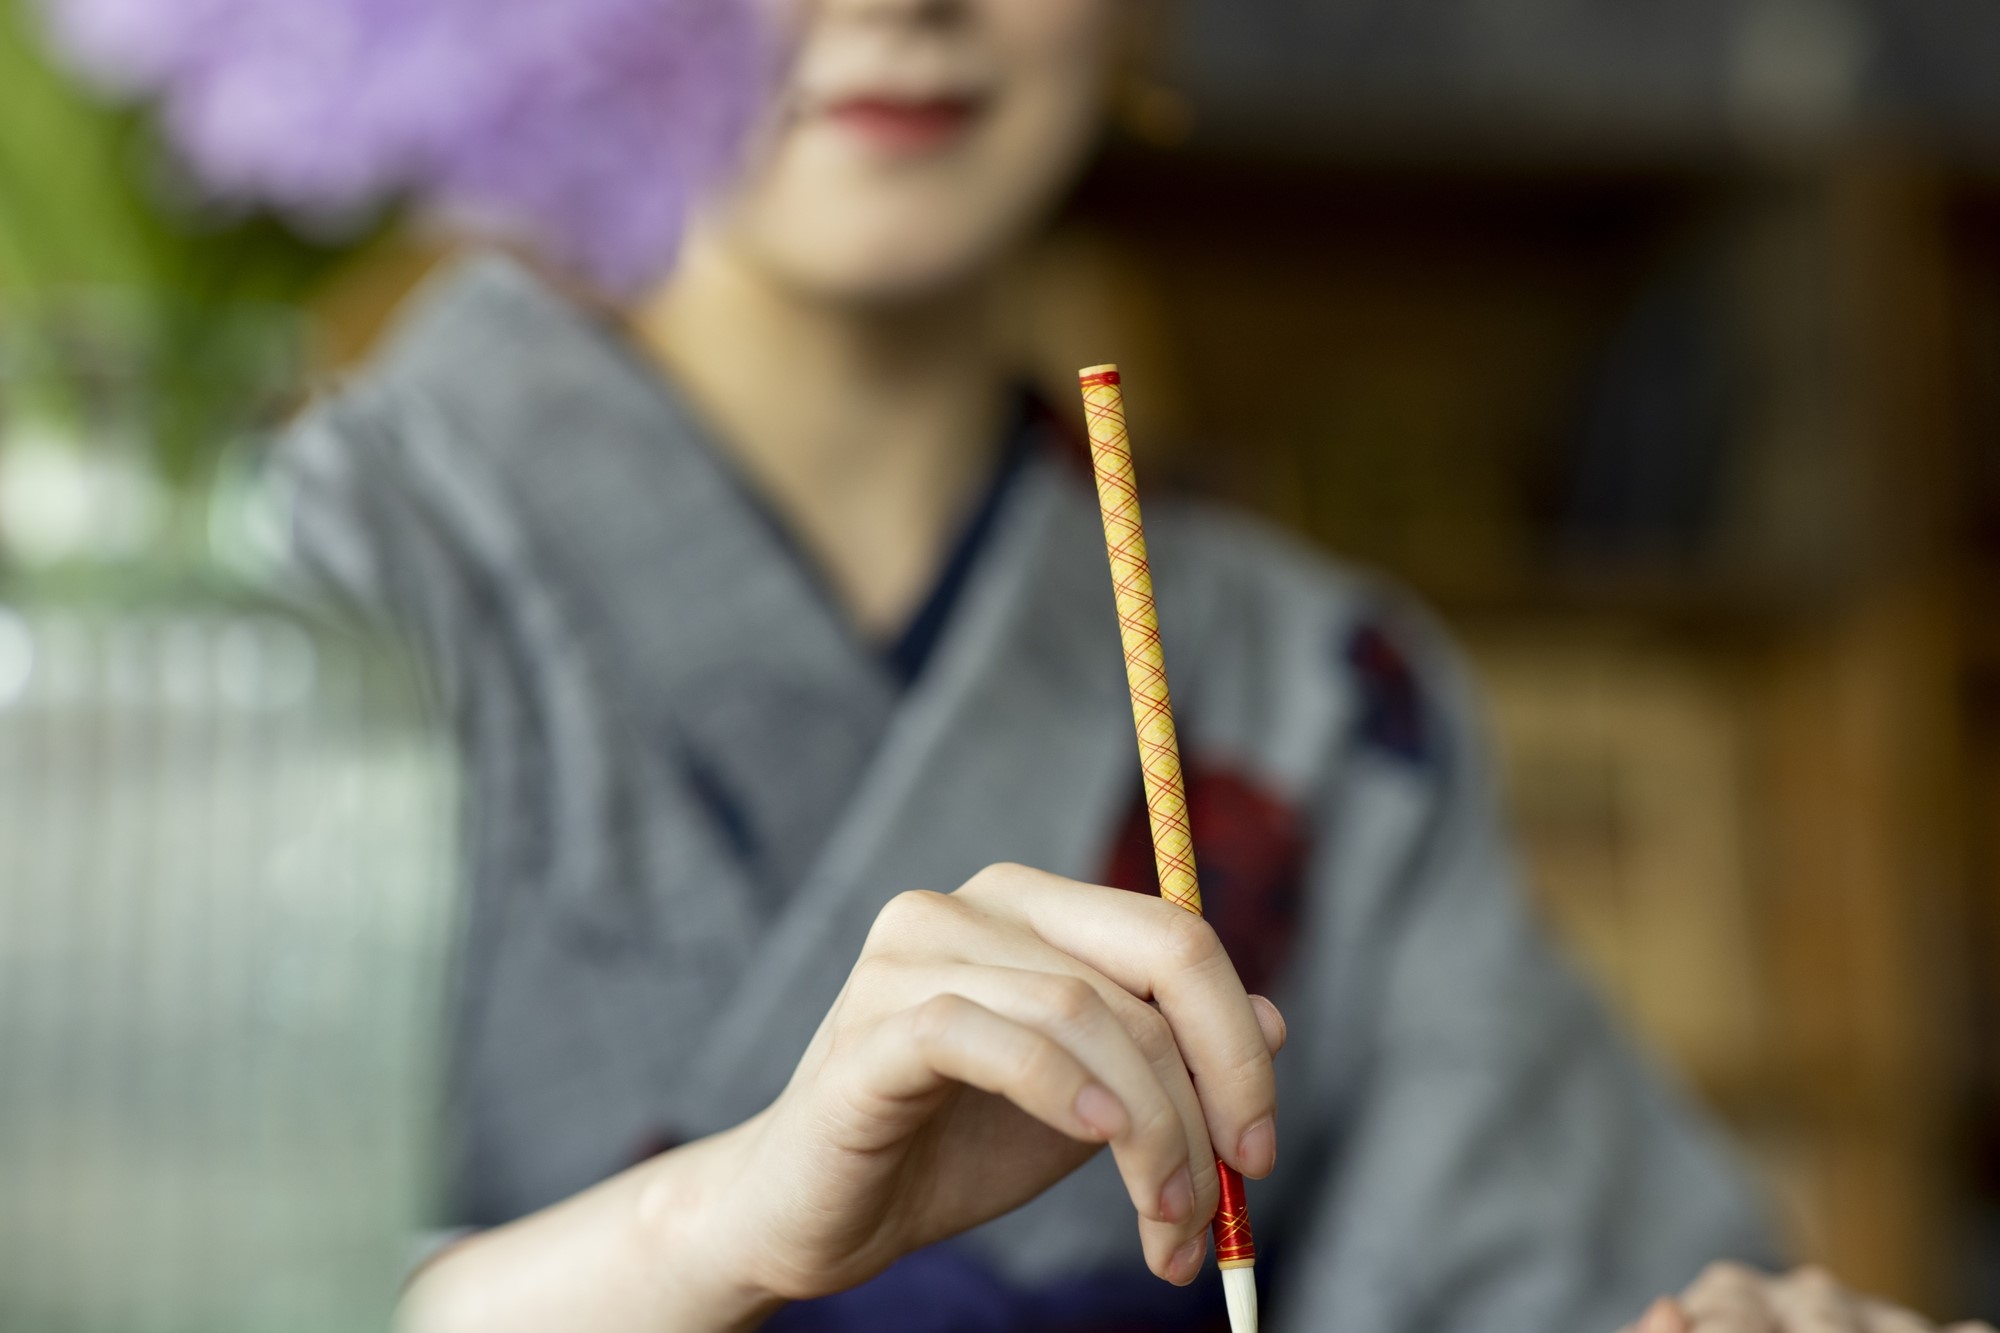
1729	1298
986	1044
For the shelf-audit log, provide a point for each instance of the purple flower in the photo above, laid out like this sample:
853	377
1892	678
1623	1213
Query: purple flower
585	126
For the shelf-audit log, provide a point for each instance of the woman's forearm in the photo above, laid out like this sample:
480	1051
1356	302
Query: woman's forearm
640	1253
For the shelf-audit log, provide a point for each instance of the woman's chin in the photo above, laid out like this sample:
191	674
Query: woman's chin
900	275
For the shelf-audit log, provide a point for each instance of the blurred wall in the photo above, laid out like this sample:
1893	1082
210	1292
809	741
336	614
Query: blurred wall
1659	347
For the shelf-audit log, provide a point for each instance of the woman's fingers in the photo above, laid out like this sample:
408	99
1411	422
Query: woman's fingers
1172	1237
1729	1298
1880	1318
1155	951
1808	1300
1162	1150
913	1057
1207	1043
1271	1022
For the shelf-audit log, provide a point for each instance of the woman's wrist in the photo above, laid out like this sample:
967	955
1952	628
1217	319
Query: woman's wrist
663	1245
693	1236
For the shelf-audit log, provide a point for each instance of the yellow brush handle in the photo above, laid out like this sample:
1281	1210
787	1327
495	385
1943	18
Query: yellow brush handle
1139	627
1159	756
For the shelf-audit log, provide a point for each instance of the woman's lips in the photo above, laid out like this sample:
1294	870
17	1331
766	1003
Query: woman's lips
905	125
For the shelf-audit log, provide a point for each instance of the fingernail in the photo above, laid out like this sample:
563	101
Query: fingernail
1101	1112
1257	1150
1177	1199
1185	1266
1271	1020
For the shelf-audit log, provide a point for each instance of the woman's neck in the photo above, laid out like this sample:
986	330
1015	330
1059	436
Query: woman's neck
870	431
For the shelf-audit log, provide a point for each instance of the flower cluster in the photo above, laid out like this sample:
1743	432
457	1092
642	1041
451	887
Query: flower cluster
583	126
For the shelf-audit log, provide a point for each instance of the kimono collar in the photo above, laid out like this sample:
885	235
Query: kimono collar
603	458
708	636
614	481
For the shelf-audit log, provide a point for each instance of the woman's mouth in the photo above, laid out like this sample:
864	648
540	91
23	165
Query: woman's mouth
905	125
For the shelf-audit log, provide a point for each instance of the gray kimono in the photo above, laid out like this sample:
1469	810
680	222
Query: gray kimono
692	786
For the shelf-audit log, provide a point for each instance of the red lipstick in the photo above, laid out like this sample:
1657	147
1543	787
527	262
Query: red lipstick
905	125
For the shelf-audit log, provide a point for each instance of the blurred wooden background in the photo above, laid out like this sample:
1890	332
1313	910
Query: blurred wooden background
1702	458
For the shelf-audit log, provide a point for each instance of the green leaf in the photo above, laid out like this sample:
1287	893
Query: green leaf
201	295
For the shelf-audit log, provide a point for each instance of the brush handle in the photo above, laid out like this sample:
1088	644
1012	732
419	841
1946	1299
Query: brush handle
1159	750
1139	627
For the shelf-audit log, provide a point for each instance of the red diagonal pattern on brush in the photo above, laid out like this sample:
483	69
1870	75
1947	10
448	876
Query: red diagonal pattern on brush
1139	629
1233	1242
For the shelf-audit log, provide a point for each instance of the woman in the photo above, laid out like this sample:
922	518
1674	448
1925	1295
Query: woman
779	606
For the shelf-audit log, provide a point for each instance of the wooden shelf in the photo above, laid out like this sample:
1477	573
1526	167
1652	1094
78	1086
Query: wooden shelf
1736	728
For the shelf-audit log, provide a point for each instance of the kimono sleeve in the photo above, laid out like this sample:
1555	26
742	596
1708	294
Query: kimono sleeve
1492	1153
376	529
365	530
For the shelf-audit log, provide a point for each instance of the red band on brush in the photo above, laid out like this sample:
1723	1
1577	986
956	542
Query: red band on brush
1233	1245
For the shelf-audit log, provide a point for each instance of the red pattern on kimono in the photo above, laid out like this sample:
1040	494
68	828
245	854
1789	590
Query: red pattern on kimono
1250	851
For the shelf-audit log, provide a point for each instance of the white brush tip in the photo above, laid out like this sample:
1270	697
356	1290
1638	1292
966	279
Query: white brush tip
1239	1288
